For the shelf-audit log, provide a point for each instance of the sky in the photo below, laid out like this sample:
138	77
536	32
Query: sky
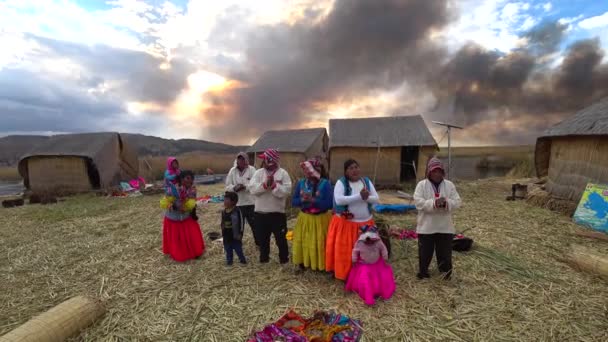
229	70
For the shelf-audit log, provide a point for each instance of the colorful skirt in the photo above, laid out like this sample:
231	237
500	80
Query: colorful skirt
182	240
341	239
372	280
309	237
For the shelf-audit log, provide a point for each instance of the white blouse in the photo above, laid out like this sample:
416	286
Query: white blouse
356	205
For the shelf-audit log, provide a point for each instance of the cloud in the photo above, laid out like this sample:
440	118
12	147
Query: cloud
71	87
594	22
494	65
293	70
137	75
31	102
493	24
571	20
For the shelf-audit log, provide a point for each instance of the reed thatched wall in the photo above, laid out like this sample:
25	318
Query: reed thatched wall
389	162
107	160
58	174
574	162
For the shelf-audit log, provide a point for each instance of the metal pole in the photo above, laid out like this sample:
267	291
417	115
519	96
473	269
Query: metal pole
449	152
377	157
449	127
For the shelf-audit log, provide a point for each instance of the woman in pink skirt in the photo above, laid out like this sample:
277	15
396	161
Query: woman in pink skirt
371	276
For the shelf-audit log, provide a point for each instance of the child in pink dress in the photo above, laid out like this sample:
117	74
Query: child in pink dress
370	275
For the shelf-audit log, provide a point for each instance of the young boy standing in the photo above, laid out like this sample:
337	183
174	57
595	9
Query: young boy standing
436	198
232	228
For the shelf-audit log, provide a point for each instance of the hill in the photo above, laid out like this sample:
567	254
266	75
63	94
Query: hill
13	147
155	146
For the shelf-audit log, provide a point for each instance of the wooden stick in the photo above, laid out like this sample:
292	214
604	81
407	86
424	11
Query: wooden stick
593	235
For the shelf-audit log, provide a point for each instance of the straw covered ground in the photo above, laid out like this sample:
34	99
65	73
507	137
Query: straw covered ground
511	287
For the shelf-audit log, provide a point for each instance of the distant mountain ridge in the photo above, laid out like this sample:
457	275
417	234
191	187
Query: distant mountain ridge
14	146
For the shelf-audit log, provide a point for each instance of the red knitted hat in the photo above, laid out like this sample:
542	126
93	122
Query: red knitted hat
270	155
434	164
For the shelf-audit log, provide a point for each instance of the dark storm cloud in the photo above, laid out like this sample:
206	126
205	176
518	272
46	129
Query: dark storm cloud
360	45
545	38
484	85
30	102
293	70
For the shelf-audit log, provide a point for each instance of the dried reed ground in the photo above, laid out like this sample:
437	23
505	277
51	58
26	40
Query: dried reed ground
510	288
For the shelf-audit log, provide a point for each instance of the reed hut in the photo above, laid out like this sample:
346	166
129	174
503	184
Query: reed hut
78	163
294	145
575	152
400	147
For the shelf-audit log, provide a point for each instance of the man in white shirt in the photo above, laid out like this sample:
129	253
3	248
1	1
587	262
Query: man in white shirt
436	199
271	186
238	181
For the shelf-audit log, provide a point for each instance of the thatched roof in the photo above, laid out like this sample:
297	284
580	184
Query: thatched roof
296	140
77	145
592	120
110	155
391	131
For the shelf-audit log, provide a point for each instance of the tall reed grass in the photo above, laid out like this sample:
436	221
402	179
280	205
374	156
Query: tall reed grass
523	169
9	174
153	168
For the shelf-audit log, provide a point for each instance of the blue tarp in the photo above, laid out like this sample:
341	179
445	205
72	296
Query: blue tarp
393	208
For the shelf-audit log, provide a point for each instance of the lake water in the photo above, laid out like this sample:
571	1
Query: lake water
10	188
13	188
465	168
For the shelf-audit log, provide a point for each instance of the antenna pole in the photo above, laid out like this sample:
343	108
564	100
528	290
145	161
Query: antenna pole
449	152
449	132
377	157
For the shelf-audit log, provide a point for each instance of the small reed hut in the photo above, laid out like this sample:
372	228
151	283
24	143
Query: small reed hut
575	152
75	163
295	146
400	147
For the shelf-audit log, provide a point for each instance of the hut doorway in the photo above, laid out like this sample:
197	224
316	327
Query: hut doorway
409	156
93	174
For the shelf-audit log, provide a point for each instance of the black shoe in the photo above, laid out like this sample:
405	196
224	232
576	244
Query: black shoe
264	261
302	267
283	262
421	276
228	263
244	262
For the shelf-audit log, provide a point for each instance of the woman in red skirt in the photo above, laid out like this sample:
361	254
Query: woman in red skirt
182	236
353	199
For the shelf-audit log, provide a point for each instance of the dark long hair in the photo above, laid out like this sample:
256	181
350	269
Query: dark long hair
185	174
348	164
181	176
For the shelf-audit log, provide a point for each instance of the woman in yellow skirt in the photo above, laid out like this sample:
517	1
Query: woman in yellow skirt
314	196
353	199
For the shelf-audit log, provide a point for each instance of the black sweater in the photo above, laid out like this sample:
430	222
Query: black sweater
232	225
